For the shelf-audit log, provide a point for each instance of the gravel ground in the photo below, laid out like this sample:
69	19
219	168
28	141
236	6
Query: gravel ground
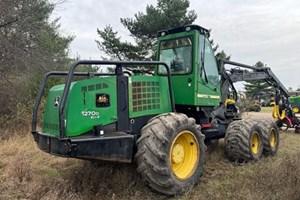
257	115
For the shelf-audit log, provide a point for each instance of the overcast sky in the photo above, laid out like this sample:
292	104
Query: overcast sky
248	30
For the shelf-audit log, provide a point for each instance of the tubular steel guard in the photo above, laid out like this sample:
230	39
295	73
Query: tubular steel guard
72	73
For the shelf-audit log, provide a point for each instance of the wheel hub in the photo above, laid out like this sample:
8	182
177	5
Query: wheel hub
184	155
272	139
295	109
255	143
177	153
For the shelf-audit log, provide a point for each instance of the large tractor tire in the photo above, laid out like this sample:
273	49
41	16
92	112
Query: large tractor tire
170	153
270	133
243	141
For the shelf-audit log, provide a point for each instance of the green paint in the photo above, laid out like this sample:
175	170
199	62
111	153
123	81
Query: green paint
81	111
295	100
190	87
51	119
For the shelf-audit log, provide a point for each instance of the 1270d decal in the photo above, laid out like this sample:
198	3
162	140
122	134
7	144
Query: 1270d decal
91	114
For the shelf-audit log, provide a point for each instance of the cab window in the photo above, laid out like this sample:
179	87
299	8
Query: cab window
208	65
177	53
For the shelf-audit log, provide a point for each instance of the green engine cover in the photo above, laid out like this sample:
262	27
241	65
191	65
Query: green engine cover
94	102
91	102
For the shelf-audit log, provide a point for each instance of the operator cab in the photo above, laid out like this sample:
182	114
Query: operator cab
195	74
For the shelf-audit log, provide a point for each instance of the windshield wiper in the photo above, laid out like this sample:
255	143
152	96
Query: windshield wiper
202	62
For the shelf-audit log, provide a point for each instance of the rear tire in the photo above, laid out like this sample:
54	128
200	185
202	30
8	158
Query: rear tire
243	141
170	153
270	133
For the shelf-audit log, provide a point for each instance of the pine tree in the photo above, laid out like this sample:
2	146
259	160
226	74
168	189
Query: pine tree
257	87
144	27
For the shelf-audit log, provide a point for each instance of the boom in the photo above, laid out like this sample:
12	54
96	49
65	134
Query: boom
282	110
238	74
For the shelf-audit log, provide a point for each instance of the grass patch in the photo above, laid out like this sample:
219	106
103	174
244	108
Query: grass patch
266	109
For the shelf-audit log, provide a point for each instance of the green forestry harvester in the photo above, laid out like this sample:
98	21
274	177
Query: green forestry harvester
295	103
158	114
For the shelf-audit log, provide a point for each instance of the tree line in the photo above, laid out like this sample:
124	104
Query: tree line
30	46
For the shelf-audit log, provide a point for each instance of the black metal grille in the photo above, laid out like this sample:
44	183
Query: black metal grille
145	95
98	86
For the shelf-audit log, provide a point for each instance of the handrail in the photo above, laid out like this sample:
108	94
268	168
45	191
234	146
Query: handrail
42	87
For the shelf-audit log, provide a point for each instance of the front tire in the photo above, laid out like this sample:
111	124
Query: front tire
170	153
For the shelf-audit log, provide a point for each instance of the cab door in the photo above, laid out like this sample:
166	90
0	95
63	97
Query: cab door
208	91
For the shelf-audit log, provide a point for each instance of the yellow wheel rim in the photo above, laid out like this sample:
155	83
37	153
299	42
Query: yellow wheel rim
255	143
273	139
295	109
184	155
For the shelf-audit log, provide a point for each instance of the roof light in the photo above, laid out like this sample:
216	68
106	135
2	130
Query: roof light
188	28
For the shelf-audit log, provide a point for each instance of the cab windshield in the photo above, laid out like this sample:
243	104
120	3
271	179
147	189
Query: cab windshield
177	53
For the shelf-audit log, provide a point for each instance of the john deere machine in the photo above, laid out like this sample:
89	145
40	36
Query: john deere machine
158	114
295	103
288	118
